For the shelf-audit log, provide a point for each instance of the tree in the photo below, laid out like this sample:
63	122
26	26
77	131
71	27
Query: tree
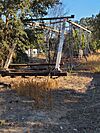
96	30
12	29
93	24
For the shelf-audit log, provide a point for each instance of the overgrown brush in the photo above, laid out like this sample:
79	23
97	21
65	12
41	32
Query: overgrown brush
92	64
39	89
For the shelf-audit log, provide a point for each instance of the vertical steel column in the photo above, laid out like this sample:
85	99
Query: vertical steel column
60	47
71	46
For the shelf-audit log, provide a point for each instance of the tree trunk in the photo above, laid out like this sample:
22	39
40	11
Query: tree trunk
9	57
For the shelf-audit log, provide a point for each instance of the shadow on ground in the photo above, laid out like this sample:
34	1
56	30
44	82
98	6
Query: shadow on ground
70	112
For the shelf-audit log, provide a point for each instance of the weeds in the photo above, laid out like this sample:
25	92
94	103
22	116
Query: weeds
39	89
92	64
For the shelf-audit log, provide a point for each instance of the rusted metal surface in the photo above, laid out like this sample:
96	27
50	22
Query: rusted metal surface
37	64
32	73
52	18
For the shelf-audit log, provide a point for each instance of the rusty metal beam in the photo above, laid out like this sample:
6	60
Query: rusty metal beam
34	73
52	18
37	64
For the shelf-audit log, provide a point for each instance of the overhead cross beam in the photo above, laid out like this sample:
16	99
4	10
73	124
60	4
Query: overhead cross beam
52	18
45	27
79	26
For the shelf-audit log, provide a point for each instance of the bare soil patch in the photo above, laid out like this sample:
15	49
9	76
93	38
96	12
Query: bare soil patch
75	108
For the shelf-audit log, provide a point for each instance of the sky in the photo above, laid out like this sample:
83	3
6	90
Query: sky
82	8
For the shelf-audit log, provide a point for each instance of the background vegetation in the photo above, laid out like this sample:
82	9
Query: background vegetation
16	36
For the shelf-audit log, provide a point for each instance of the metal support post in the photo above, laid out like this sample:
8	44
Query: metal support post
60	47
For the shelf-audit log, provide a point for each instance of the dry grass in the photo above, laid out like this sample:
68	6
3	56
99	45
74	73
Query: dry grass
39	89
94	63
75	82
41	56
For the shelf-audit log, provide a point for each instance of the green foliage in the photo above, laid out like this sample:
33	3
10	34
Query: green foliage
79	39
93	23
96	30
36	38
12	29
39	7
83	40
76	39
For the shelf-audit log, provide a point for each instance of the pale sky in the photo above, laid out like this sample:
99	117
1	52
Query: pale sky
82	8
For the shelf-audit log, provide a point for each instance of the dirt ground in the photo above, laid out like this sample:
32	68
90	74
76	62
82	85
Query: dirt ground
75	108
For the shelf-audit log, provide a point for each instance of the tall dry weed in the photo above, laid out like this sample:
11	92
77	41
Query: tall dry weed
39	89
